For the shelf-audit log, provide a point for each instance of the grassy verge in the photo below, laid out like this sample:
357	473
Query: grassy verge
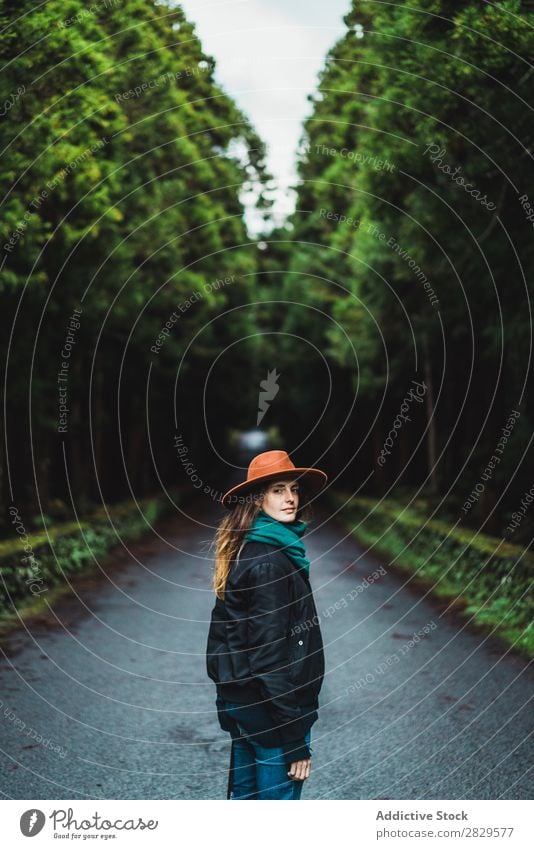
488	579
35	566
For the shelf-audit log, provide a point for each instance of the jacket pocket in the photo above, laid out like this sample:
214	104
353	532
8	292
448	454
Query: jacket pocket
219	665
237	652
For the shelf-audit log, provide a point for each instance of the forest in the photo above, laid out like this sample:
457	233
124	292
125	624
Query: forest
172	305
137	308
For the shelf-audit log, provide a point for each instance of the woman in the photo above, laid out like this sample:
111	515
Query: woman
265	651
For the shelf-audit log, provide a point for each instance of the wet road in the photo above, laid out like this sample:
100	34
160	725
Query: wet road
107	697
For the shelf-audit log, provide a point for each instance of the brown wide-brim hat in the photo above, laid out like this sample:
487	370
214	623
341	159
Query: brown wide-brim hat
274	465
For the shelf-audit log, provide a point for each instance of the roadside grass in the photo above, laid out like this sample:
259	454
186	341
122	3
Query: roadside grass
482	576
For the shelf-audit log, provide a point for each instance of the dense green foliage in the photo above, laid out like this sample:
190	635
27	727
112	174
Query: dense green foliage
125	168
413	275
406	266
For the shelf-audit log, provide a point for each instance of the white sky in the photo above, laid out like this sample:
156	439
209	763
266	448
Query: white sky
268	55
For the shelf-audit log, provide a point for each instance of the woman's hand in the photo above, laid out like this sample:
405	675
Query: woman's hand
300	770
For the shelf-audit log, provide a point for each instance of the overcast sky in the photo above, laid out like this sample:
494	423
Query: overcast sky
268	55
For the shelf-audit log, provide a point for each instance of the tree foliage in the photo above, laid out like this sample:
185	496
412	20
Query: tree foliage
125	172
411	235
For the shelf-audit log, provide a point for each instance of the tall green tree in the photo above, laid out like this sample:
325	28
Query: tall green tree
125	169
411	235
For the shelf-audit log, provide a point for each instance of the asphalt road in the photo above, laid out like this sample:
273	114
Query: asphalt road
107	696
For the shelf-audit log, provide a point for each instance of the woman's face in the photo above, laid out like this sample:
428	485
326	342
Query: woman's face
281	500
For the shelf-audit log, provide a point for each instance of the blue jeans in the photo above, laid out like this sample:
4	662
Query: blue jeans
260	772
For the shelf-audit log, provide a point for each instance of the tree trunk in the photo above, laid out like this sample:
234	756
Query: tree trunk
431	419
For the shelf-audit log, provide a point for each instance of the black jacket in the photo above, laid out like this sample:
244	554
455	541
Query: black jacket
265	649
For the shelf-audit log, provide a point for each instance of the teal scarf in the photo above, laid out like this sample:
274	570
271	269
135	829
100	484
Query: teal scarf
285	535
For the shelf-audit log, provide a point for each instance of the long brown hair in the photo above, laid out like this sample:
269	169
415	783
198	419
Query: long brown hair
229	537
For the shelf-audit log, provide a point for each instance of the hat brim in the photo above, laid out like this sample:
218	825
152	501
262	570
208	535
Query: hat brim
314	479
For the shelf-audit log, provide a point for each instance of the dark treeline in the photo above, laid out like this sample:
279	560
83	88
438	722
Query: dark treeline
411	251
124	169
396	302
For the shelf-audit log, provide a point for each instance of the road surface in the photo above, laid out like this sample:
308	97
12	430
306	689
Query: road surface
107	696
